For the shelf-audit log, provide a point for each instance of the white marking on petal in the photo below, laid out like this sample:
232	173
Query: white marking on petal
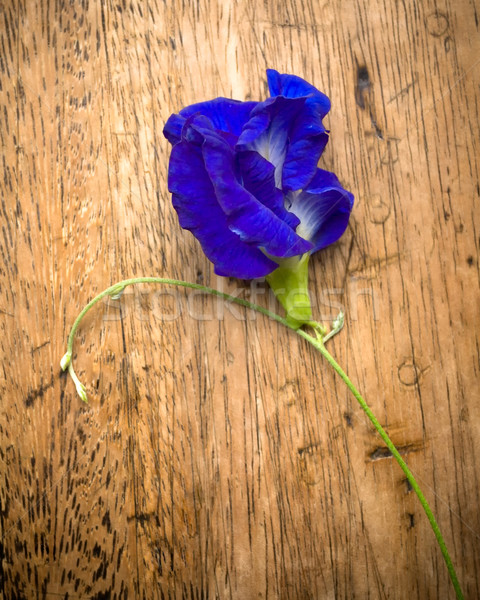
274	149
305	211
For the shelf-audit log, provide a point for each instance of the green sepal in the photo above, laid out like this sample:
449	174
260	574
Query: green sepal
289	283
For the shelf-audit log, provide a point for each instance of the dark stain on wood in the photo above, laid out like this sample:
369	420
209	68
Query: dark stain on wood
362	86
37	393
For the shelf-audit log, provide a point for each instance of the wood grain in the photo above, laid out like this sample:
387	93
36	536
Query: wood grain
218	456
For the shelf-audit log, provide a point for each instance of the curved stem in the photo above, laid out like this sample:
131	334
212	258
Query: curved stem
317	342
115	291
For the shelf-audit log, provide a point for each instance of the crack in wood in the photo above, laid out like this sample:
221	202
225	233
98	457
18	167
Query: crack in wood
383	452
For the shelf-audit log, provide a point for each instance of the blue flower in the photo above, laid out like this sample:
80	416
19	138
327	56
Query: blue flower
244	178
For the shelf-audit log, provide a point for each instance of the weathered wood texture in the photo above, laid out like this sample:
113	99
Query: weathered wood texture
218	456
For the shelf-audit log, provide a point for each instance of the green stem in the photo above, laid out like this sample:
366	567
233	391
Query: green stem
116	290
320	346
317	342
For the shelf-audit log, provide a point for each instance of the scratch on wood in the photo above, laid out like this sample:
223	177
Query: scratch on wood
372	267
308	449
402	92
40	346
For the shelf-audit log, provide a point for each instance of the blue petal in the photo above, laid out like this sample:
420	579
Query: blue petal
267	131
292	86
323	208
225	114
251	220
303	153
289	133
194	200
308	137
173	128
258	177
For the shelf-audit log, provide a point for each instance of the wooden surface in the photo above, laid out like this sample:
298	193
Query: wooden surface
219	457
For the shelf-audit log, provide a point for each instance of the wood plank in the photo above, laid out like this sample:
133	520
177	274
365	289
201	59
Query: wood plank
218	456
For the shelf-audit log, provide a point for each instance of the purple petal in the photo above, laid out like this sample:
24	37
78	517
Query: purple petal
323	208
225	115
194	200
